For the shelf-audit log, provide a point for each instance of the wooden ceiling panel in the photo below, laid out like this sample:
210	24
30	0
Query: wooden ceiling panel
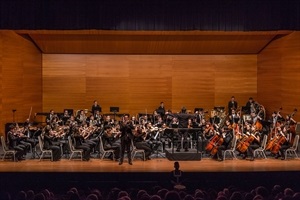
151	42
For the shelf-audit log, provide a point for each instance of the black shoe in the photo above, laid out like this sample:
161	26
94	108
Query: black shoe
277	156
252	159
129	162
186	150
121	162
244	156
148	158
178	150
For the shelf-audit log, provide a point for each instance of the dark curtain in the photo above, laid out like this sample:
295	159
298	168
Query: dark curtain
217	15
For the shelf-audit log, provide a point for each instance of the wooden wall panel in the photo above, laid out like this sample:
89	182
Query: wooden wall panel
138	83
278	74
21	78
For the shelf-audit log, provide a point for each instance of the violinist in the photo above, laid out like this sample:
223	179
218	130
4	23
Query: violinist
227	135
14	143
111	140
139	141
80	144
50	116
50	144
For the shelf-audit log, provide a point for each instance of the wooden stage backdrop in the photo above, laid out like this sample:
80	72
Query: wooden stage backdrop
138	83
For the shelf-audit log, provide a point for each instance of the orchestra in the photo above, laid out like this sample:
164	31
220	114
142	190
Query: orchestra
210	134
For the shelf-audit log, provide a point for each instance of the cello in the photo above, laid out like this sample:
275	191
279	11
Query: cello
280	140
214	143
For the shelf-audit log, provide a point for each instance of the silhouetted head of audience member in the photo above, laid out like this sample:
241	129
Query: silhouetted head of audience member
172	195
39	196
162	193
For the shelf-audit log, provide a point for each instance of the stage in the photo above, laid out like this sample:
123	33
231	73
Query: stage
107	173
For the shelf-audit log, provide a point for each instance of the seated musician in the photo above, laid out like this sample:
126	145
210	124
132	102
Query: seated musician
227	134
139	134
65	117
152	136
284	142
49	143
85	132
255	144
80	144
111	140
14	143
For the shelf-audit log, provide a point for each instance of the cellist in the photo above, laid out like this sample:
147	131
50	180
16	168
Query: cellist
227	134
255	144
285	137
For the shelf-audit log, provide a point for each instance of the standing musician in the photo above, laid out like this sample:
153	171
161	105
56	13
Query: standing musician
49	143
227	135
126	128
183	118
95	107
251	106
232	105
161	110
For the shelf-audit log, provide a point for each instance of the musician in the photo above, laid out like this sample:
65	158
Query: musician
65	117
161	110
255	144
50	116
282	132
126	137
227	134
95	107
232	105
49	144
14	143
81	144
140	142
199	115
183	118
81	117
234	117
111	140
251	106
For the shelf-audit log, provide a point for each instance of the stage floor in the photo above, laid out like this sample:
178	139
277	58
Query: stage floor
159	164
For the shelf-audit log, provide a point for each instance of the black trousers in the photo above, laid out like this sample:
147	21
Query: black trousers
125	146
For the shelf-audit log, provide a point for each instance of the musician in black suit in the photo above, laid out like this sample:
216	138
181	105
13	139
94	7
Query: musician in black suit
227	134
126	138
14	143
95	107
183	118
50	117
161	110
232	105
48	144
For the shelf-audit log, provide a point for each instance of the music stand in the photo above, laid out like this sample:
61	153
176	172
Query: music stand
198	109
114	110
219	108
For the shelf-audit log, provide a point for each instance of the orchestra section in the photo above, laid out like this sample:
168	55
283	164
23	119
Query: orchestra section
232	131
